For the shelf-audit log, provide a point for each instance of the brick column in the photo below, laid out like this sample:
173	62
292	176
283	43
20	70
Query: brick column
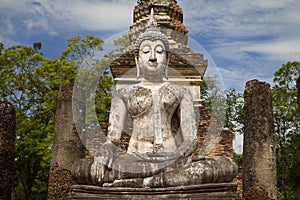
259	158
7	149
67	146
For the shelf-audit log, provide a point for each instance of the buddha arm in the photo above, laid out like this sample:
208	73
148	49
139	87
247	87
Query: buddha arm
117	117
104	155
187	125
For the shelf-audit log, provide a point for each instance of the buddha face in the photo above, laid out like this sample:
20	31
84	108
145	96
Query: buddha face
152	60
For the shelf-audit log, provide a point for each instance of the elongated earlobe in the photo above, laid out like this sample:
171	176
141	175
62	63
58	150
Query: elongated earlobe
137	68
166	68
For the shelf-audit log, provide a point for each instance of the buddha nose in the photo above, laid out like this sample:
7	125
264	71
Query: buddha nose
152	57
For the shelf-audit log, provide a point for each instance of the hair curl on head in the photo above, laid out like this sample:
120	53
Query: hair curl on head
151	34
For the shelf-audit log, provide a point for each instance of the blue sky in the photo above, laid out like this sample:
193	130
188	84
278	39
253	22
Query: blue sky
245	39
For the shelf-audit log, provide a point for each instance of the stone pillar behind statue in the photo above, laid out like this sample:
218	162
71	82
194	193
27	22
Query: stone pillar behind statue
259	157
67	146
7	148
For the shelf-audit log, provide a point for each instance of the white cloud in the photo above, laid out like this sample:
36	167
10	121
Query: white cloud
41	23
99	16
238	77
62	16
87	15
7	42
247	39
269	50
277	50
238	64
8	27
235	18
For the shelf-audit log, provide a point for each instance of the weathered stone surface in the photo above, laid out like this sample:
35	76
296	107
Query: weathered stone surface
67	146
209	130
96	137
164	130
169	17
184	63
7	149
238	180
158	147
220	191
259	159
256	193
222	147
59	184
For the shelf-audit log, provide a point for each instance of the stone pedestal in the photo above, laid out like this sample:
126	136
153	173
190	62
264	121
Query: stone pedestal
220	191
7	149
259	158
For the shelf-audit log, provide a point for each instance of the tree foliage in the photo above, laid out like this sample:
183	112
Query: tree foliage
93	74
234	119
214	98
287	126
31	82
226	106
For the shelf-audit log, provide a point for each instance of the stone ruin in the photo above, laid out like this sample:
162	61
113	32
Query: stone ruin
67	145
259	153
185	68
191	67
67	148
7	148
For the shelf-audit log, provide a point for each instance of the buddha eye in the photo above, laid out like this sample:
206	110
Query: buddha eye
146	49
159	49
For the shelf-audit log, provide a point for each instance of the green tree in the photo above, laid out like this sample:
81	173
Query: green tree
21	85
234	119
287	126
122	44
214	97
94	74
31	82
226	106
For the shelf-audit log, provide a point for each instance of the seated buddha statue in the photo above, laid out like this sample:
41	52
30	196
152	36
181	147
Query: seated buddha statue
164	132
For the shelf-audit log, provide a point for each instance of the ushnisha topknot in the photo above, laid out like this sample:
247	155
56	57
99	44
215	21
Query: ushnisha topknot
152	33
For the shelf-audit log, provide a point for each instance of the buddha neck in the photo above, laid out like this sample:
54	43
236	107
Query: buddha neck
152	80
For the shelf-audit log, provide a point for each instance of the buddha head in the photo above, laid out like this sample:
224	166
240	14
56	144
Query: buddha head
152	52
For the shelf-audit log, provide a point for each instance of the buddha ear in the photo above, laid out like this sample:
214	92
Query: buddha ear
138	74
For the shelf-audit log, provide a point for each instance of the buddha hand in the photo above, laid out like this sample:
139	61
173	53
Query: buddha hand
103	159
